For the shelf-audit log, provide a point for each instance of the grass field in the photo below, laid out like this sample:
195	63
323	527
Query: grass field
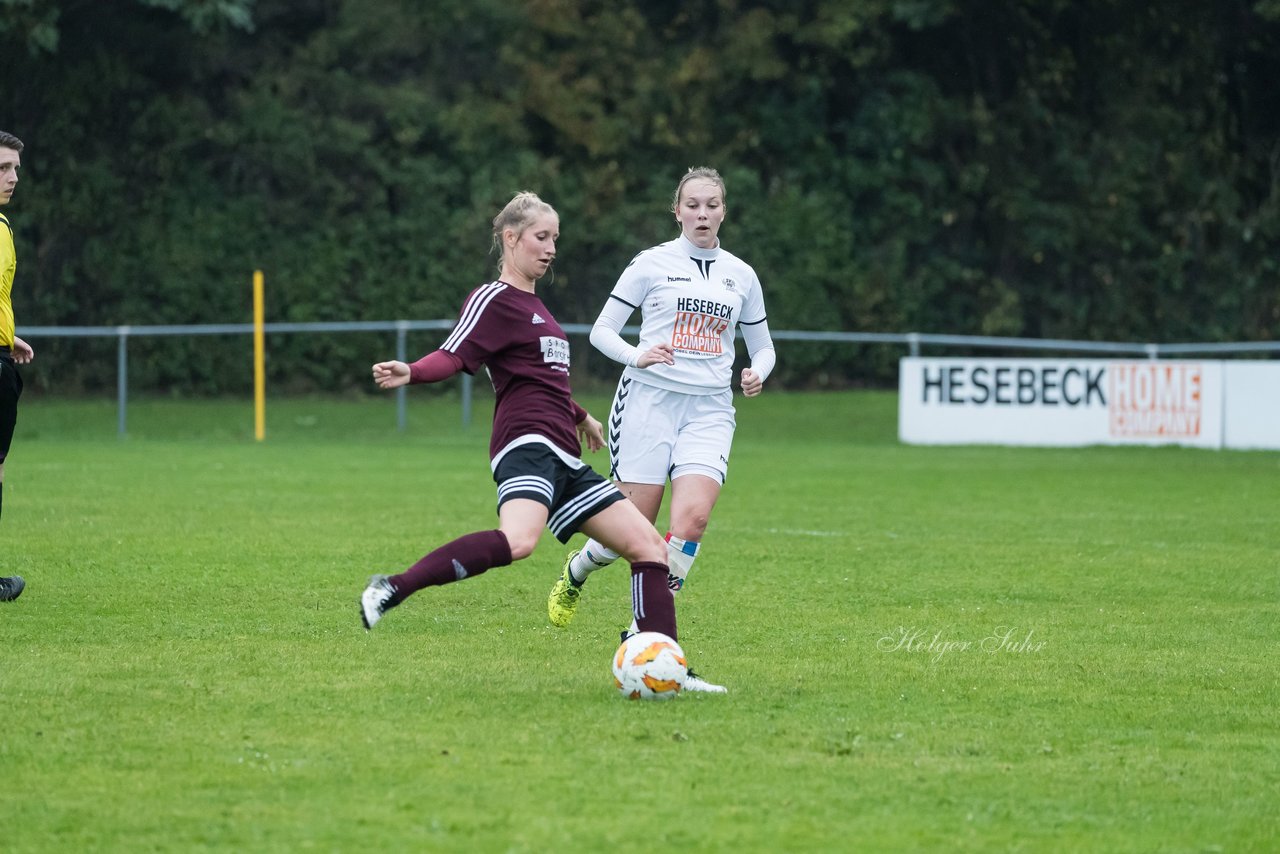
926	648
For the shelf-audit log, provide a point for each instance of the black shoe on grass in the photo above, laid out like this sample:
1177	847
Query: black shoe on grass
11	588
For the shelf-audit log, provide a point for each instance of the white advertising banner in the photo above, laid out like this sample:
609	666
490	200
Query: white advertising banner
1060	402
1252	412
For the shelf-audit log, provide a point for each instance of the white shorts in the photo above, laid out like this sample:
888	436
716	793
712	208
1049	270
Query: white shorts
655	434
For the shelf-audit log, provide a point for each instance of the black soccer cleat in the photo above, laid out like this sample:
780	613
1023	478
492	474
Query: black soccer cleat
11	588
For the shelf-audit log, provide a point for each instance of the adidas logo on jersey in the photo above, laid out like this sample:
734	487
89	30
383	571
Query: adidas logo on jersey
537	318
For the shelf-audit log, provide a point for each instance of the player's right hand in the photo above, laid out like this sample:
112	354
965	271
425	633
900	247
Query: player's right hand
391	374
658	354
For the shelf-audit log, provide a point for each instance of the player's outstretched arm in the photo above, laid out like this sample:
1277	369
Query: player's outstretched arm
432	368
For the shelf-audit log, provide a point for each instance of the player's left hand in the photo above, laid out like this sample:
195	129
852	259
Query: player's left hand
751	383
590	433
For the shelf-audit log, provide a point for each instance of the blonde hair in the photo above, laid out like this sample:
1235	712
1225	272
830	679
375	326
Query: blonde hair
705	173
518	215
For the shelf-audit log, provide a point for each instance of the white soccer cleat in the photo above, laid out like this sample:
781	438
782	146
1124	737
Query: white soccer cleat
697	685
377	599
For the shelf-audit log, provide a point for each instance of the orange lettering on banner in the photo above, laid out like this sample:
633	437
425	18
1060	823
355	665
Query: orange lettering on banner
698	333
1155	400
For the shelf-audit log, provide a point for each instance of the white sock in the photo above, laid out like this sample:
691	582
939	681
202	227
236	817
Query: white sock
592	557
680	557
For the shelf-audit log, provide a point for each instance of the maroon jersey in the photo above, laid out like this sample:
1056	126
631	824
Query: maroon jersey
512	335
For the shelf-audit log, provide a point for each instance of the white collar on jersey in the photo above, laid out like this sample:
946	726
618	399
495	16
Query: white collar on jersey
696	251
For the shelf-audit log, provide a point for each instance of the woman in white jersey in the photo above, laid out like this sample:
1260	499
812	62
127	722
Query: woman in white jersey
673	415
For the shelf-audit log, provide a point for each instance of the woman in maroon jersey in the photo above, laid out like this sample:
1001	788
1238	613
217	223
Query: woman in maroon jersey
534	450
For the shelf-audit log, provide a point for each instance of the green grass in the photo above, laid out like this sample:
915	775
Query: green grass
187	671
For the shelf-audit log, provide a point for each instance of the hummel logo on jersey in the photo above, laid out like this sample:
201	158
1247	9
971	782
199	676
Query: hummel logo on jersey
537	318
679	279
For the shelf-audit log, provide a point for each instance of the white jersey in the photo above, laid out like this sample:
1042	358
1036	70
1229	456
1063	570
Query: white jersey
692	299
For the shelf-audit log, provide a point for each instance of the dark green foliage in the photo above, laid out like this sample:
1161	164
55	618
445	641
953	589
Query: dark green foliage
1093	170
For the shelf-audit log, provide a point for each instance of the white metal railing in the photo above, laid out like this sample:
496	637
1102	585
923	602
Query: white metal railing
913	341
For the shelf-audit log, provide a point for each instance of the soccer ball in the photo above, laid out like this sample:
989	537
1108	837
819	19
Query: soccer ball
649	666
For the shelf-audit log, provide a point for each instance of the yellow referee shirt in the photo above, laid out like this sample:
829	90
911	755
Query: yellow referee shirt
8	264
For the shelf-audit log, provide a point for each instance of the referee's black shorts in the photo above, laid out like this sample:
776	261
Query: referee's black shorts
10	391
572	496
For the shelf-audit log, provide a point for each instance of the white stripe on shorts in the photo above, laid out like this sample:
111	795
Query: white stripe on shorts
525	483
571	510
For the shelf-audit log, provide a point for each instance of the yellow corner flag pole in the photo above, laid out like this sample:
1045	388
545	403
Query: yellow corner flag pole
259	362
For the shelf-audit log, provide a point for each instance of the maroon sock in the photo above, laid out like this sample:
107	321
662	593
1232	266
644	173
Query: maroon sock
465	557
652	604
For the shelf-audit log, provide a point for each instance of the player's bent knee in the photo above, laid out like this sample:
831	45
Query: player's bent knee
646	545
691	528
622	528
522	543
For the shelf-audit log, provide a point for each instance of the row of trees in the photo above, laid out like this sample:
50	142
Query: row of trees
1094	169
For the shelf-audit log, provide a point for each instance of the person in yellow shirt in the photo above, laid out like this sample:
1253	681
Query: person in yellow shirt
13	350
